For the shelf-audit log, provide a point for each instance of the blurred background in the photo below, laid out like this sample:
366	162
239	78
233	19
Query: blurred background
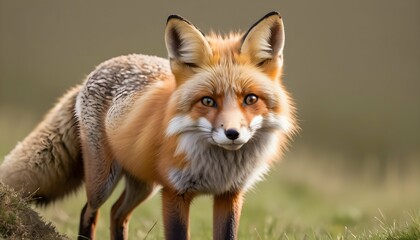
353	68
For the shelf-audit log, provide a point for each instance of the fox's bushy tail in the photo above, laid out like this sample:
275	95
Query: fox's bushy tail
47	164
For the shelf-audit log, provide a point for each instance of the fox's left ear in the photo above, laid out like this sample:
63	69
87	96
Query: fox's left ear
264	41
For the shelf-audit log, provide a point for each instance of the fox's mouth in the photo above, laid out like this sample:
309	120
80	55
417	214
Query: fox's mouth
231	146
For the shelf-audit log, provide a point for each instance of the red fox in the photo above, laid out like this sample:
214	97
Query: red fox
211	120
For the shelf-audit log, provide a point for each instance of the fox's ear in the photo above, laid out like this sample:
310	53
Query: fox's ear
264	41
185	43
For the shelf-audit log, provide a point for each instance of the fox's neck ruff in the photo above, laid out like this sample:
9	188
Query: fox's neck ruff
212	169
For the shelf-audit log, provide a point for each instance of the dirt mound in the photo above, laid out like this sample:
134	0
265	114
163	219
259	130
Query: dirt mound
19	221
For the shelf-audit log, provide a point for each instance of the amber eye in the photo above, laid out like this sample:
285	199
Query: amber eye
208	102
250	99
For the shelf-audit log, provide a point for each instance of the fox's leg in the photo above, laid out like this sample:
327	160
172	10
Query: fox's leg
135	192
101	177
226	213
176	209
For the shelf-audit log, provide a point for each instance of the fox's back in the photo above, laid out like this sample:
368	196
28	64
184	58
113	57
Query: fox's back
110	90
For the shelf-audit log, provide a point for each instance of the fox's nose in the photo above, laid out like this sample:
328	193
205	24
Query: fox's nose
232	133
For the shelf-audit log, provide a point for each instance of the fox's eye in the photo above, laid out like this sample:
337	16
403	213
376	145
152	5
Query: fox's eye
262	62
250	99
208	102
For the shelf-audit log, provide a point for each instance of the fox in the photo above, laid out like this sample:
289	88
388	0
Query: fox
211	119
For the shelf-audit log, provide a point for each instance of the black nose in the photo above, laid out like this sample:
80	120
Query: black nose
232	133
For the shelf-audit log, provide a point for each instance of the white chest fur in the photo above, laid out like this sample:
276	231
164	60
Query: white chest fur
214	170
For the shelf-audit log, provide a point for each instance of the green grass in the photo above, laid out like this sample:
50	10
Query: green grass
312	194
394	230
279	208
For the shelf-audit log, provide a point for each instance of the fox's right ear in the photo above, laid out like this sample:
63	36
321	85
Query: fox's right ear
186	45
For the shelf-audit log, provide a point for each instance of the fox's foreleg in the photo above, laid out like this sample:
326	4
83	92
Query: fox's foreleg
226	213
176	208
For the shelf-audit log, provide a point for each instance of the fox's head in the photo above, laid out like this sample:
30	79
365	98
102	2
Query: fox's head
229	88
